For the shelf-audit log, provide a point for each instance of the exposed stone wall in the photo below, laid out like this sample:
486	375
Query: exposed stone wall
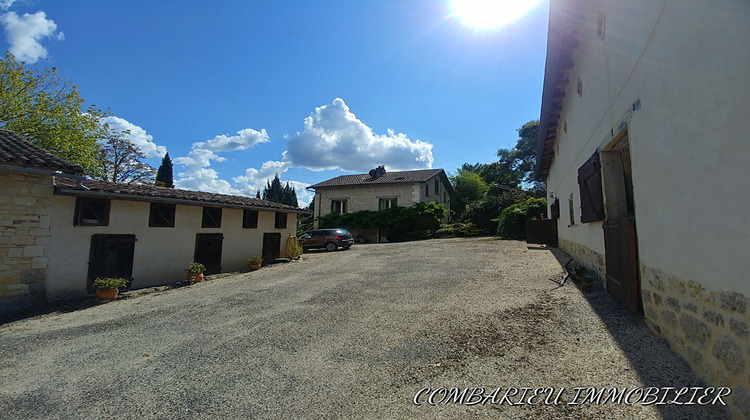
24	233
709	329
587	257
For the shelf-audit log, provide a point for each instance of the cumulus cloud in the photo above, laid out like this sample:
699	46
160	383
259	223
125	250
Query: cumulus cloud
26	32
256	179
244	140
137	135
197	174
5	4
333	138
204	179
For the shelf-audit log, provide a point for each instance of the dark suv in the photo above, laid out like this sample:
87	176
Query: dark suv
330	239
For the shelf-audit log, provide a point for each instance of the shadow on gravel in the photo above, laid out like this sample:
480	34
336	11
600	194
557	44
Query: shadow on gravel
650	356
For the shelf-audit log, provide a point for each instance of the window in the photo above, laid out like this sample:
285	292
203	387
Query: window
387	203
161	215
427	190
590	185
339	206
280	222
91	212
437	187
211	217
250	219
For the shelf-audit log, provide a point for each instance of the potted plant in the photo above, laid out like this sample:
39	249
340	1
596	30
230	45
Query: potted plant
254	262
107	288
195	272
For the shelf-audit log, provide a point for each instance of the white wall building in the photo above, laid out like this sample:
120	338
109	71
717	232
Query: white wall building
59	231
644	148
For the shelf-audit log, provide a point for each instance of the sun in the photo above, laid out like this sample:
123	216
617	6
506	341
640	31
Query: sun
486	14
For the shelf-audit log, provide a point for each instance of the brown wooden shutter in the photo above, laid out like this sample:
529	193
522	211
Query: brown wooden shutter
590	184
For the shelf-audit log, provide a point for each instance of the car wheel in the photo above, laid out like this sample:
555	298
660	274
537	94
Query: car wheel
330	246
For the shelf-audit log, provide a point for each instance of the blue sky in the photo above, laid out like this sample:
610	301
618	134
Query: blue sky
237	91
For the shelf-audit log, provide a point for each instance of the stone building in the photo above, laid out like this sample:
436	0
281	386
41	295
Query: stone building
643	145
380	190
59	230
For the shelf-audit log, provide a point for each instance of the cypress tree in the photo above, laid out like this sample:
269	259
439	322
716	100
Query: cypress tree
164	176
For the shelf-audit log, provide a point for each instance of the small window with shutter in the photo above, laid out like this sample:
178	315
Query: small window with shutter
590	185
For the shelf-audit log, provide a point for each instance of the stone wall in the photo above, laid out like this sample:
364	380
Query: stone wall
24	233
710	330
587	257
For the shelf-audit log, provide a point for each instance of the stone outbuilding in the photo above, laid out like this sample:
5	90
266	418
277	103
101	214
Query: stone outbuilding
644	149
59	230
380	189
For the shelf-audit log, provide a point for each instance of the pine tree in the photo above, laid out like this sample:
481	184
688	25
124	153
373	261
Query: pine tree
164	175
274	190
278	194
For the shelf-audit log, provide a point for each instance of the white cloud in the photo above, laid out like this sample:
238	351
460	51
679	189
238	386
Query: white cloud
333	138
198	159
256	179
204	179
137	135
244	140
25	33
5	4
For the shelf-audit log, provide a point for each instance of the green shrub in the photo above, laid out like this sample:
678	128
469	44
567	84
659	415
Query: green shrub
512	221
418	221
457	230
110	282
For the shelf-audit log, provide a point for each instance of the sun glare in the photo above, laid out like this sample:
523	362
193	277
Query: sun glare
491	13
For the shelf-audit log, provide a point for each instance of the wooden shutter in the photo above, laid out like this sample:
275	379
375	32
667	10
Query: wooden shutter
590	184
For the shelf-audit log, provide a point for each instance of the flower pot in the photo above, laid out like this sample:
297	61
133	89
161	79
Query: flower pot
106	294
194	277
254	267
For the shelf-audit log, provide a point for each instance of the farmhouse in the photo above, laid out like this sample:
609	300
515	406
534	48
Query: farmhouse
643	145
378	190
60	231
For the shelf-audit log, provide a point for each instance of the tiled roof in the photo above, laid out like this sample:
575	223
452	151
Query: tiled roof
402	177
15	149
94	187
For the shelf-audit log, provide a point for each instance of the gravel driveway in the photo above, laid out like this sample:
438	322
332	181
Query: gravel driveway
347	334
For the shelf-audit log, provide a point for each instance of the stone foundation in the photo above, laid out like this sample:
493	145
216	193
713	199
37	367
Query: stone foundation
710	330
24	233
587	257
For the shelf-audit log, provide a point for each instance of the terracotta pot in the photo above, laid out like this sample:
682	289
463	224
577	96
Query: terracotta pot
106	294
195	277
254	267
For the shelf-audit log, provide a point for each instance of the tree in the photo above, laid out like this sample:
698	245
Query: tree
120	161
273	190
49	111
164	175
278	194
516	166
289	196
468	186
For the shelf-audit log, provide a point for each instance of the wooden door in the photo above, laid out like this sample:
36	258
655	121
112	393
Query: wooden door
271	247
110	256
621	258
208	251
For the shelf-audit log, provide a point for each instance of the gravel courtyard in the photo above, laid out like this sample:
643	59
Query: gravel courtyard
347	334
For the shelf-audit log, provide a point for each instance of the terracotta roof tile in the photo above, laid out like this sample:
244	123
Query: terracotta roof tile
152	193
15	149
402	177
